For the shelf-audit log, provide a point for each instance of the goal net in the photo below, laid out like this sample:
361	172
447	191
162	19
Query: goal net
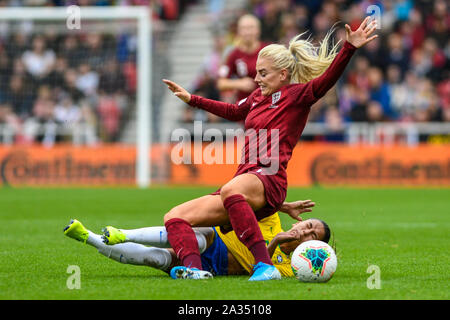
78	76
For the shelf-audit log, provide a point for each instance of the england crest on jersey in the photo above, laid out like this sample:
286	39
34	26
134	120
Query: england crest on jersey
275	97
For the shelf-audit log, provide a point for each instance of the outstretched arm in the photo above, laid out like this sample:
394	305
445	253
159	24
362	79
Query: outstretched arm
232	112
178	90
354	39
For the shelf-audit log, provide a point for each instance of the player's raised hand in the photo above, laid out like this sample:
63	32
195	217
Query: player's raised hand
362	35
177	90
296	208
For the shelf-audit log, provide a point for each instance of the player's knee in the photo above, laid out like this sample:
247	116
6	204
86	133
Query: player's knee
180	212
172	214
228	191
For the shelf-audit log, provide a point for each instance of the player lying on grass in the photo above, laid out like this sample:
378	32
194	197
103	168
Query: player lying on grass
221	254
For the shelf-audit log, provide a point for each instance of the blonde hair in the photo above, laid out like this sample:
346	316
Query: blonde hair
302	59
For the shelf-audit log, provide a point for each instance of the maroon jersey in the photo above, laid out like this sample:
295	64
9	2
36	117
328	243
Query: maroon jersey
240	64
277	120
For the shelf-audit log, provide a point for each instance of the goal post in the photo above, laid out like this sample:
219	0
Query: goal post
142	16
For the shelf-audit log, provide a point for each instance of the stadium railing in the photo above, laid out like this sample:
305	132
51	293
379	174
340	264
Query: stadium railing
384	133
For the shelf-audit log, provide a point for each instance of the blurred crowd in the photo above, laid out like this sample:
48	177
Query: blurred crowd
162	9
402	76
52	80
49	79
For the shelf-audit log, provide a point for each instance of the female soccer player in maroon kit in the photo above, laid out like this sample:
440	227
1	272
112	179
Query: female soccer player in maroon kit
290	81
238	71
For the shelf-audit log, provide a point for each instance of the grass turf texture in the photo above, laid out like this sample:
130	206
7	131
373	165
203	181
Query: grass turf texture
405	232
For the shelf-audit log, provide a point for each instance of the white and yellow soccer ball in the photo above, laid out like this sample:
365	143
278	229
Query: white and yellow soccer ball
314	261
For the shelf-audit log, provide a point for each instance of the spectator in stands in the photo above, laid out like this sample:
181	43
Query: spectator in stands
40	60
5	67
112	79
359	100
334	125
437	58
425	102
396	53
44	105
207	88
18	97
288	28
321	24
438	22
301	18
443	90
405	95
112	92
17	45
416	30
270	16
70	87
67	112
20	70
71	51
87	80
420	63
8	117
379	91
412	52
89	119
41	126
375	112
354	13
396	90
214	61
359	74
130	76
205	85
55	79
58	63
239	70
93	52
444	115
109	112
375	53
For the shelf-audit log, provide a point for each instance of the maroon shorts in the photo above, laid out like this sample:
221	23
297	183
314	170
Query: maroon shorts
275	189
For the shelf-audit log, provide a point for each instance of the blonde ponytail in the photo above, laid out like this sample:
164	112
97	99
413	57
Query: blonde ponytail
302	59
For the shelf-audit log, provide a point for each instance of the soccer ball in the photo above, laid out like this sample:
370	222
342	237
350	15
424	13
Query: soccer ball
313	261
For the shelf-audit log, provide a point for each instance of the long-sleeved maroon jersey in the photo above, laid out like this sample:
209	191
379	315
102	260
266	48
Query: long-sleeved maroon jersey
277	120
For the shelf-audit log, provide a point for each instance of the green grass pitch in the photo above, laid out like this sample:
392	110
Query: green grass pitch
405	232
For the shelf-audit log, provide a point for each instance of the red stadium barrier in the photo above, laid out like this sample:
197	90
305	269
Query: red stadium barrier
338	164
68	165
311	163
